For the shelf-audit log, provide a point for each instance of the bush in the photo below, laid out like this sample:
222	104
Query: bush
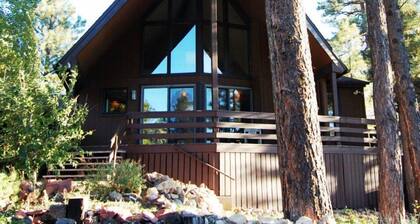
9	189
127	177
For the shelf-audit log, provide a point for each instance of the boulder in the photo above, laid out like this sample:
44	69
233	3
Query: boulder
57	211
115	196
152	194
304	220
54	186
26	188
168	186
65	221
148	216
238	219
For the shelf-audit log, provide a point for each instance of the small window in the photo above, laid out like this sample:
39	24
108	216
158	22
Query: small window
116	101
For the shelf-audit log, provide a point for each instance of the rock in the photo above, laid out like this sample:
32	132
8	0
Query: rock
152	194
272	220
156	178
304	220
238	219
65	221
59	198
168	186
285	221
130	198
115	196
25	189
148	216
171	218
90	217
54	186
57	211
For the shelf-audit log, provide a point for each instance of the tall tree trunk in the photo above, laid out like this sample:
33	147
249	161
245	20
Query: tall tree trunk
405	95
304	182
391	196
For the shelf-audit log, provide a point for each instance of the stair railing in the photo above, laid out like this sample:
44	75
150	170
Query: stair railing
115	143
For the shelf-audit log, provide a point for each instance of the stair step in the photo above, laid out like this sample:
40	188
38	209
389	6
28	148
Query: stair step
75	170
101	152
65	176
97	157
87	164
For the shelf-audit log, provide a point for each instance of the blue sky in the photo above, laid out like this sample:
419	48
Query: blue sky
92	9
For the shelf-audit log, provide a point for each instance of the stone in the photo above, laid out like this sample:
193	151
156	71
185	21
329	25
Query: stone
25	189
238	219
152	194
272	220
285	221
57	211
148	216
171	218
65	221
115	196
58	197
168	186
304	220
54	186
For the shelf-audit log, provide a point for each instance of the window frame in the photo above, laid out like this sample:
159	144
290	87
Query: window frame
251	98
105	104
168	95
199	22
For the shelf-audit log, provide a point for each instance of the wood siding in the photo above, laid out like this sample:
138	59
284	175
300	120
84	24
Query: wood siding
352	174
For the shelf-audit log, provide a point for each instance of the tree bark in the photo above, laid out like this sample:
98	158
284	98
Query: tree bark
406	98
391	196
304	183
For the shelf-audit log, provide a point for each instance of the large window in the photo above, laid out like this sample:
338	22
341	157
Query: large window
168	99
232	99
177	38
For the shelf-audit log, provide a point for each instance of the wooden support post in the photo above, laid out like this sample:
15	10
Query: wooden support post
214	62
324	96
214	56
335	93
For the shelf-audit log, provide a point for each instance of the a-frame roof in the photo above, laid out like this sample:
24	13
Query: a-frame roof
71	57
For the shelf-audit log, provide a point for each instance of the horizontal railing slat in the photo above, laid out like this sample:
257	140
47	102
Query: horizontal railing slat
347	139
173	125
246	125
246	136
175	136
260	122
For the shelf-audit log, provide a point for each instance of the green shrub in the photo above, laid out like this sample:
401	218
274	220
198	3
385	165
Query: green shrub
127	177
9	188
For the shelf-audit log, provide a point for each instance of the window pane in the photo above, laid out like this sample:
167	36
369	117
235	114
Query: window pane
238	49
155	49
182	99
231	99
183	55
155	99
184	10
160	13
116	101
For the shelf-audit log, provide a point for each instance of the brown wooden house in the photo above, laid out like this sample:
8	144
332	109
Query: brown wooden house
146	68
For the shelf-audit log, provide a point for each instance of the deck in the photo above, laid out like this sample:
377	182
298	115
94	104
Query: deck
234	153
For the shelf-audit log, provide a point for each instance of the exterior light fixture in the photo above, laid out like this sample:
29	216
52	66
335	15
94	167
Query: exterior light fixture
133	94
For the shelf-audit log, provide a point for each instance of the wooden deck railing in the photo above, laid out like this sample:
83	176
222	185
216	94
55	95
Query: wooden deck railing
238	127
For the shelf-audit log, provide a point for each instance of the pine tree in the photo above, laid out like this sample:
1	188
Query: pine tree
57	27
304	183
391	195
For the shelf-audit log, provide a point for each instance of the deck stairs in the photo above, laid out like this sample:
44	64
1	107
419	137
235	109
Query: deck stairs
92	160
